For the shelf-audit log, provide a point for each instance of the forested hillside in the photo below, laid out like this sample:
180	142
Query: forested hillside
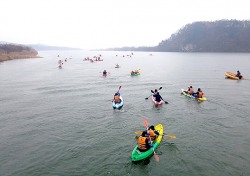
16	51
218	36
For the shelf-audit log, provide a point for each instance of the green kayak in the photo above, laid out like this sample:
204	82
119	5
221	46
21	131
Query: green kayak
137	155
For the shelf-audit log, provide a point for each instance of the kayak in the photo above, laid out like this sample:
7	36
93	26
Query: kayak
136	74
138	155
191	96
156	102
232	76
118	105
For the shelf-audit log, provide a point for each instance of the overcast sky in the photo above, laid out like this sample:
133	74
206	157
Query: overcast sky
96	24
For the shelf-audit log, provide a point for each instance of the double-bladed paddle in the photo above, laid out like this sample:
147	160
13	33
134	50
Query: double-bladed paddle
153	93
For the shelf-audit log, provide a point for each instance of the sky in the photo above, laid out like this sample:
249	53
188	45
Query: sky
100	24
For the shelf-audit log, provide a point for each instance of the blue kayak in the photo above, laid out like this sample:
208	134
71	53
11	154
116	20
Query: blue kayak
118	105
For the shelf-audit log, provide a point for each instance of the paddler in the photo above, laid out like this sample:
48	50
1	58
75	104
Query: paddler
143	142
238	74
158	97
152	133
199	93
117	98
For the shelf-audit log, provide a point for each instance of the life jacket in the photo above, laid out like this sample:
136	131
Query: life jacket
200	94
142	143
191	90
152	134
117	99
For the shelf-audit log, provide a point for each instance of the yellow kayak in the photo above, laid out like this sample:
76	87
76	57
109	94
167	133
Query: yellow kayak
188	95
232	76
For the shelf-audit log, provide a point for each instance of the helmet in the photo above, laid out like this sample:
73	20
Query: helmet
199	89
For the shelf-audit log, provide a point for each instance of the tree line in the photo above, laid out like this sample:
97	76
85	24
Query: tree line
205	36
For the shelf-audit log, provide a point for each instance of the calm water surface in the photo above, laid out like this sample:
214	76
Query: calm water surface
61	122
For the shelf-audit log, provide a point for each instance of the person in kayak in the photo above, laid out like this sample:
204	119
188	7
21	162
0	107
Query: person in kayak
117	98
190	90
152	133
104	72
198	94
157	96
238	74
143	142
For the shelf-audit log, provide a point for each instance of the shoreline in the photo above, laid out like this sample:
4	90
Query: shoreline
14	56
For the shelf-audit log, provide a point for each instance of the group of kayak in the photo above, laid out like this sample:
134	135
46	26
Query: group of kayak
150	139
132	73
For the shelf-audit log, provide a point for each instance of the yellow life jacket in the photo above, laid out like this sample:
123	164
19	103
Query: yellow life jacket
142	143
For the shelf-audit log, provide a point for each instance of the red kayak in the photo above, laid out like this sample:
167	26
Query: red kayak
156	102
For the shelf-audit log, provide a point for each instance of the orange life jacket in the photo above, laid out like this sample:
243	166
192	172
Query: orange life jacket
117	99
152	134
142	143
200	94
191	90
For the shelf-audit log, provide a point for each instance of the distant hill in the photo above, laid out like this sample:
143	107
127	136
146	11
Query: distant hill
40	47
16	51
217	36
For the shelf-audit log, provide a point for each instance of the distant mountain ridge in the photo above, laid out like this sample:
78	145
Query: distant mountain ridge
41	47
217	36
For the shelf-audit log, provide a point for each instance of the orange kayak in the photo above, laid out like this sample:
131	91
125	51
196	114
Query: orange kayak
231	76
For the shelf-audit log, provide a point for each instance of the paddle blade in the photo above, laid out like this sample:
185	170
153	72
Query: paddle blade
157	158
145	123
120	87
152	91
171	136
160	88
138	132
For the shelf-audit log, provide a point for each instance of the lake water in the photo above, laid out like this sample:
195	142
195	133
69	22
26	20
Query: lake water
61	122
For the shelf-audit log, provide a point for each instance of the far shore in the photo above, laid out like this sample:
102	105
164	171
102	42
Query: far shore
12	56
